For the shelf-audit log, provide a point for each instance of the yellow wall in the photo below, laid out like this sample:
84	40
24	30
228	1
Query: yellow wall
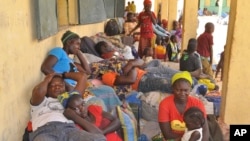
20	59
172	13
236	95
164	10
190	22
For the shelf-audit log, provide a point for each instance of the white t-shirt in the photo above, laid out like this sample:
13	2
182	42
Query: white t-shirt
49	110
187	134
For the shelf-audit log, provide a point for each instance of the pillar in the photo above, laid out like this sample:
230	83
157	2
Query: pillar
172	12
190	21
164	10
235	90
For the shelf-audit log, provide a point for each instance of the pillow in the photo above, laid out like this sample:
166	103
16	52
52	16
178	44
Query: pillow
89	57
88	46
127	123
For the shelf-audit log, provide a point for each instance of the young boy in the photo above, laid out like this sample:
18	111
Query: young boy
173	49
146	19
219	67
205	48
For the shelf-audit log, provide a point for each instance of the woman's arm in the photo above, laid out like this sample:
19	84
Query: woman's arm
40	90
113	126
196	73
153	17
47	65
167	131
127	79
80	78
83	62
133	63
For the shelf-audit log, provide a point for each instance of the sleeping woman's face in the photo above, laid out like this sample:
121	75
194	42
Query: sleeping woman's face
106	48
79	106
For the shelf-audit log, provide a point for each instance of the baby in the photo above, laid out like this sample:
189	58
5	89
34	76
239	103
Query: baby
194	120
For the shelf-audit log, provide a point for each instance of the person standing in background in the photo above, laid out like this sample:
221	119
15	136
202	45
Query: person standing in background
146	19
205	48
133	7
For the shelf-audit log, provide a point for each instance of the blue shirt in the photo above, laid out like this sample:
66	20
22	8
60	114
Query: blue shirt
64	63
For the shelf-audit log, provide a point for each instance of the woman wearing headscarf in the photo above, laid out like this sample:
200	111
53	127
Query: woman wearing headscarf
146	20
172	108
58	60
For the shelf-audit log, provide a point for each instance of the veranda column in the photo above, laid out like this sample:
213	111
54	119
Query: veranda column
172	12
190	21
236	81
164	9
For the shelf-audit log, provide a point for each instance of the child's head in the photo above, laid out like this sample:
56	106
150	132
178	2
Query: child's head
209	27
76	103
102	47
148	51
130	17
194	118
173	38
175	25
164	23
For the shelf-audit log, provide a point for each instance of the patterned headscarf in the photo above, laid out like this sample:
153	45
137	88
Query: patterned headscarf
64	98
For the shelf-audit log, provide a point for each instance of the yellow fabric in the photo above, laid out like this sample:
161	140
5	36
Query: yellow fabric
208	83
178	125
183	74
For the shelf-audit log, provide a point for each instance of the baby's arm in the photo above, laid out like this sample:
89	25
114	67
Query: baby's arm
195	136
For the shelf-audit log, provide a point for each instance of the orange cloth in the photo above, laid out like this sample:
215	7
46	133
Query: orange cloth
140	73
107	55
109	78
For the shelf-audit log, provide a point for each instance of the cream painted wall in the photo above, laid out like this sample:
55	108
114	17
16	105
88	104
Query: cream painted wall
20	60
236	95
164	10
190	22
172	14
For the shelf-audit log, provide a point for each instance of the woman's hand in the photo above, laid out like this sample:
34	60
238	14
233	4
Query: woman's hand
74	49
49	77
